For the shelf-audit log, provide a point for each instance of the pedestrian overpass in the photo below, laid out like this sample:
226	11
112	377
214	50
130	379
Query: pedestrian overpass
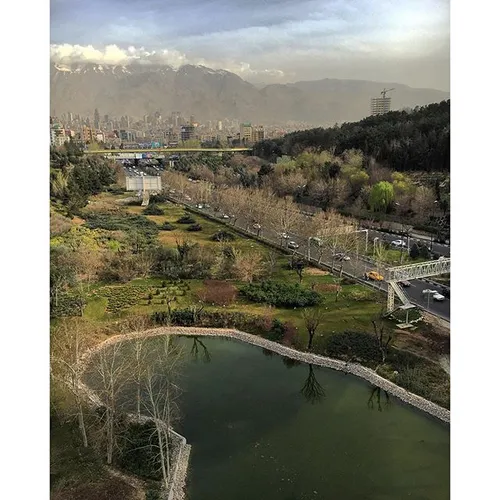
154	153
411	272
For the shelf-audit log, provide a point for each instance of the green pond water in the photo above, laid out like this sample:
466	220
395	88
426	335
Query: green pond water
264	428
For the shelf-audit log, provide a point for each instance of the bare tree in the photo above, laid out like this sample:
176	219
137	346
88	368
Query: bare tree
383	340
113	371
312	319
162	392
298	265
284	217
68	342
248	265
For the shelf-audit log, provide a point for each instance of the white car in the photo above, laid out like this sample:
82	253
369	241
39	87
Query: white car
200	206
434	293
225	216
398	243
256	226
284	236
293	245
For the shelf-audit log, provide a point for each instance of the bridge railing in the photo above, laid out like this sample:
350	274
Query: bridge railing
419	270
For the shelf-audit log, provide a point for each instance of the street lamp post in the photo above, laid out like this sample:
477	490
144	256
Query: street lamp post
309	249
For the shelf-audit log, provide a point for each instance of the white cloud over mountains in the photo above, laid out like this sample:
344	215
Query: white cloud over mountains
113	55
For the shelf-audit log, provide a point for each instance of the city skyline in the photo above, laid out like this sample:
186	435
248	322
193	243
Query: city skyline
282	42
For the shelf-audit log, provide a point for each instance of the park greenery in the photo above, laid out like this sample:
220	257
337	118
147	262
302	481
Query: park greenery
118	268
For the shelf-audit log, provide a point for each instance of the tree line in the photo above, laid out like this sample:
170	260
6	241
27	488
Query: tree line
418	140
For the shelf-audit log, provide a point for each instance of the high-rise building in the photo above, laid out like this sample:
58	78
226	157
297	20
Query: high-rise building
88	134
380	105
97	119
187	132
57	135
258	134
175	118
246	132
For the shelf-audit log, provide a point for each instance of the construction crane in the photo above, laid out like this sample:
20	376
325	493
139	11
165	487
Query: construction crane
385	92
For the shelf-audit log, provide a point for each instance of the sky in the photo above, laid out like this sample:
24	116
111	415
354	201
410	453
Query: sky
263	41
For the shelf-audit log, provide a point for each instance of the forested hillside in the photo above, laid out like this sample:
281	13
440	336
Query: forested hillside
405	141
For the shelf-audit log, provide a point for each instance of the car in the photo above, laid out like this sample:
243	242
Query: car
398	243
256	226
341	256
406	284
428	291
293	245
438	296
224	216
207	206
284	236
317	241
200	206
374	275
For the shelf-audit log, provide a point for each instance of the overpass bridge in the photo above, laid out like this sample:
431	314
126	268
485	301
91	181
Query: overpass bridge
142	154
410	272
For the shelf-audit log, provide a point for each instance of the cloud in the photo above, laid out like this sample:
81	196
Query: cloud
113	55
264	40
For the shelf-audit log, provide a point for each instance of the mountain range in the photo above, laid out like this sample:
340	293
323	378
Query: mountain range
209	94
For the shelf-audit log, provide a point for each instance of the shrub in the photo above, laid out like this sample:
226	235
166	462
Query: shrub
163	284
153	209
194	227
166	226
217	292
277	331
186	219
281	294
355	346
223	236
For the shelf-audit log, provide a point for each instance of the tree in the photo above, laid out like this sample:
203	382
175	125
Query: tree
383	340
414	251
312	319
248	265
162	392
284	217
113	371
298	265
381	196
67	344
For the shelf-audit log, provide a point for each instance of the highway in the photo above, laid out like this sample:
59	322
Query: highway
356	266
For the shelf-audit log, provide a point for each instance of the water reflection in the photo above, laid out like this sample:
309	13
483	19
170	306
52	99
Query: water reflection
376	399
290	362
195	351
312	389
267	352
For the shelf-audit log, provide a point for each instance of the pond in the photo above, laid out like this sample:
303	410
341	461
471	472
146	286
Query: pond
264	427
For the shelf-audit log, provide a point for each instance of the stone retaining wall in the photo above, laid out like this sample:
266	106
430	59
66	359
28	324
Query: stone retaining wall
306	357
